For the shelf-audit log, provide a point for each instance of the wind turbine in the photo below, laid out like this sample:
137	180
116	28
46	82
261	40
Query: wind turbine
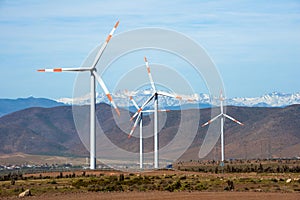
139	119
94	75
222	115
154	96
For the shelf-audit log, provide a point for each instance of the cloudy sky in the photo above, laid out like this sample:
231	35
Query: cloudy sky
255	45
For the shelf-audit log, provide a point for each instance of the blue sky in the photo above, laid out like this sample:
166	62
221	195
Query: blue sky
255	45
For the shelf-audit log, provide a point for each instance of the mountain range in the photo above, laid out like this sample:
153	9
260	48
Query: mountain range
267	133
274	99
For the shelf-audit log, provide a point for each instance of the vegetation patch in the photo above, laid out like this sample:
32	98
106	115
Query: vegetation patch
12	184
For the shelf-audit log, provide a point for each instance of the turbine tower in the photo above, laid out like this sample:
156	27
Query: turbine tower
139	119
154	96
94	76
222	115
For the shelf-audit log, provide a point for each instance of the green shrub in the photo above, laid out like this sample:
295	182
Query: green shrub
201	187
53	182
121	177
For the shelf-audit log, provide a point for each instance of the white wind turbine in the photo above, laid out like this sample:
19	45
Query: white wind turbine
139	119
223	116
93	71
154	96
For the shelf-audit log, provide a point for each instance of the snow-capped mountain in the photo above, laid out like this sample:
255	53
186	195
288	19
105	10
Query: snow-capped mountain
275	99
201	100
122	99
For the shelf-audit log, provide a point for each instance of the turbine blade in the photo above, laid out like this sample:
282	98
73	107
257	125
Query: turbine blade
163	93
100	81
221	101
148	100
151	111
142	107
101	50
236	121
166	94
149	74
221	96
135	125
64	70
147	111
210	121
164	110
134	103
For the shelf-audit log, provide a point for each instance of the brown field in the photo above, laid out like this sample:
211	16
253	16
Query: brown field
194	184
64	188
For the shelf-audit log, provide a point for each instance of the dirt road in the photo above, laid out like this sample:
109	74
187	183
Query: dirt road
167	196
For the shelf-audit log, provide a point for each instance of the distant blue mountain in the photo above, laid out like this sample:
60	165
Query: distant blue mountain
12	105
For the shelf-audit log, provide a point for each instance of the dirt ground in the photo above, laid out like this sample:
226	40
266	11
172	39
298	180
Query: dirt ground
166	196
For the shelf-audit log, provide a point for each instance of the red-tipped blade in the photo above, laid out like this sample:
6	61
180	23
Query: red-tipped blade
117	24
51	70
149	74
103	86
137	112
100	52
213	119
135	124
179	97
142	107
221	96
134	103
234	120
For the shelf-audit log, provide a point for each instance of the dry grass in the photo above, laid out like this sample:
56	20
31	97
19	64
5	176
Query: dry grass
171	184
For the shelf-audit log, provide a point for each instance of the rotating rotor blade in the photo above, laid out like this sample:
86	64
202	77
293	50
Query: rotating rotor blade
222	99
213	119
147	111
101	50
135	125
149	74
103	86
151	111
64	70
163	110
236	121
169	95
142	107
175	96
134	103
221	96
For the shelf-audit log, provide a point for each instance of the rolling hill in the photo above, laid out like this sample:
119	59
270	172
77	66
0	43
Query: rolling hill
268	132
